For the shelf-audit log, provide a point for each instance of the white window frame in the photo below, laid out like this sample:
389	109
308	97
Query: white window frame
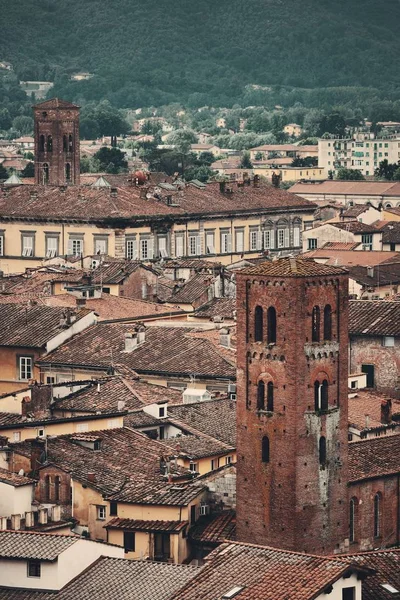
296	236
28	242
281	238
51	246
75	246
226	242
2	244
25	368
162	243
239	240
16	436
146	248
131	248
194	244
312	243
255	240
193	467
388	341
101	513
179	244
98	242
210	242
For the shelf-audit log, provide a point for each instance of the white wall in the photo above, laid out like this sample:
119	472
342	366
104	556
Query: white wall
15	500
338	586
66	334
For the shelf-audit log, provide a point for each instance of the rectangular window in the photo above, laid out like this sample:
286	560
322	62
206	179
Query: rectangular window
296	236
179	245
239	241
268	236
349	593
312	243
28	245
50	379
255	239
214	464
193	467
162	546
366	240
210	242
75	246
281	238
25	367
194	245
51	246
228	460
101	513
34	569
100	245
1	244
226	242
146	248
113	508
388	341
129	541
16	436
162	247
131	248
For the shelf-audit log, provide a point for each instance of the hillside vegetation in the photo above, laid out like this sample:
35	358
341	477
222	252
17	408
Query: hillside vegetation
152	52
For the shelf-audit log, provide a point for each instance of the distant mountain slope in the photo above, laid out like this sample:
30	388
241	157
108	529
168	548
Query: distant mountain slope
152	51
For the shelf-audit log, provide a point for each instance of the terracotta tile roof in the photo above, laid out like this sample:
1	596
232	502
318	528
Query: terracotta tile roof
217	307
128	466
166	350
83	203
391	232
293	267
395	210
39	546
365	407
374	457
10	418
362	188
14	479
382	274
345	258
135	394
122	579
15	593
215	418
215	529
341	245
191	263
115	271
355	227
138	525
190	291
31	326
386	567
197	446
55	103
110	307
264	573
374	317
355	211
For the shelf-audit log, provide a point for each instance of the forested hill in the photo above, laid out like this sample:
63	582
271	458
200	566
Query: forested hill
146	52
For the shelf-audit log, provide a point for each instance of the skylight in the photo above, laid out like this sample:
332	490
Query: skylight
386	586
233	592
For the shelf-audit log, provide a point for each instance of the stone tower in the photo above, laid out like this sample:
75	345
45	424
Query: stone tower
292	406
56	143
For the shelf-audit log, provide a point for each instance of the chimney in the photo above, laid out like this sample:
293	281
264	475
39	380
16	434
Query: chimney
16	522
131	341
43	516
141	334
225	337
114	192
256	180
38	454
29	519
91	477
366	421
56	513
370	271
3	523
222	185
386	411
120	405
33	194
80	302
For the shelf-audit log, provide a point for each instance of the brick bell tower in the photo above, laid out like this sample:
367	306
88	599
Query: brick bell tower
292	406
56	143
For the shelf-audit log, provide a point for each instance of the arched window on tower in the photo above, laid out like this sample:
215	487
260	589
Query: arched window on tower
353	519
265	449
317	396
328	322
49	143
45	173
324	395
322	451
47	488
271	325
68	172
270	396
65	143
316	318
57	488
41	143
377	515
260	395
258	324
70	143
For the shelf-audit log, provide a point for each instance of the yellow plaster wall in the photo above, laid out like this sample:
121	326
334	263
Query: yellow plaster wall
9	381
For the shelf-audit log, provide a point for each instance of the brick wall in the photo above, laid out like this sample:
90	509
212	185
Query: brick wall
292	501
368	350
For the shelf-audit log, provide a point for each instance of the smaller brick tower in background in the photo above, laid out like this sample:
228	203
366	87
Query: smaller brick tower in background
57	159
292	445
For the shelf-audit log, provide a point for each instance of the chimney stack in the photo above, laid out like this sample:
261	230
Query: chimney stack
56	513
91	477
16	522
222	186
43	516
386	411
29	519
131	341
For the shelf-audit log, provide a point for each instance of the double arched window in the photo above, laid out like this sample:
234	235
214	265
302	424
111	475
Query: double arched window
70	143
49	143
321	398
265	449
45	169
68	172
57	488
261	404
261	395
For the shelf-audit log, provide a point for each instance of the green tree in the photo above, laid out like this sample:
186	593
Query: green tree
111	160
3	172
349	175
5	118
206	158
202	173
23	124
386	170
151	127
246	163
182	139
29	170
308	161
396	174
333	123
258	156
